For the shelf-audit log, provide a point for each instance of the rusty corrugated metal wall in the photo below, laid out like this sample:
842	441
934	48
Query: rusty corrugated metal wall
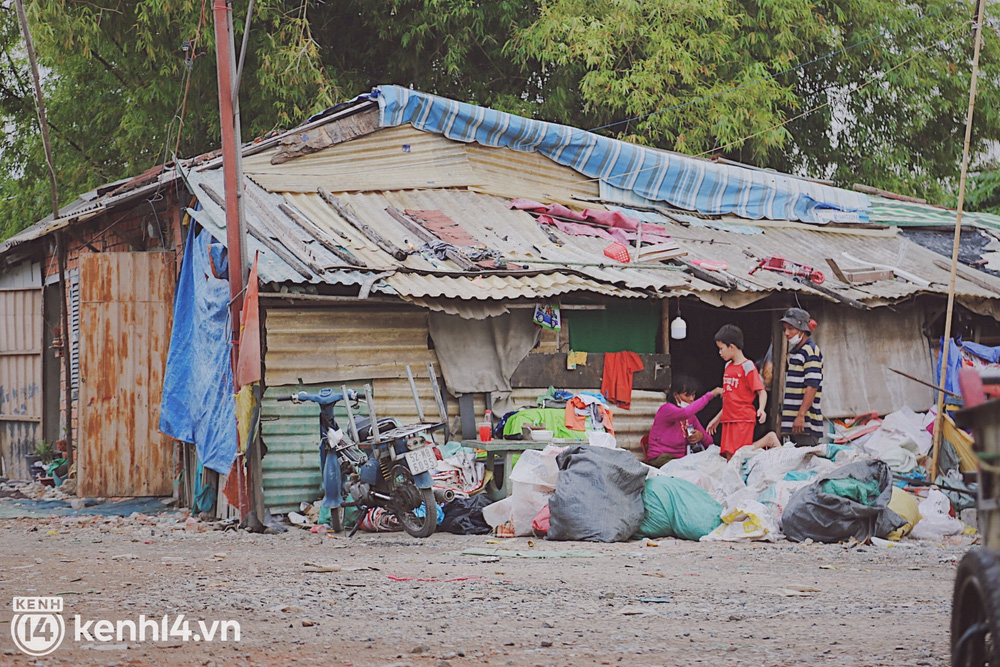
126	302
21	340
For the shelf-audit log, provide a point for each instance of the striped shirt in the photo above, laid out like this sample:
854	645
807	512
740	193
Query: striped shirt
805	369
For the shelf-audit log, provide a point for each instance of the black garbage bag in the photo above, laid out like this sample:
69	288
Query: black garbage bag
464	516
825	517
598	496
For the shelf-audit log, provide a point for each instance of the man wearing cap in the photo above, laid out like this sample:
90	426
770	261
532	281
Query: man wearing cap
801	416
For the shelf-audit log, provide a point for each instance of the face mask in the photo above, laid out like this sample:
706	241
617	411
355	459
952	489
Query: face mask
682	404
796	339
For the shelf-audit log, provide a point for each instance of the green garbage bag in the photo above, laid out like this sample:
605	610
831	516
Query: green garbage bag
677	508
865	492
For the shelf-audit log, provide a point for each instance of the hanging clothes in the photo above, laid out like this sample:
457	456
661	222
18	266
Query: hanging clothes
616	384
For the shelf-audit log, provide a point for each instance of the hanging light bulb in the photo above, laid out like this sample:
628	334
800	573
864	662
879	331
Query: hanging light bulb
678	327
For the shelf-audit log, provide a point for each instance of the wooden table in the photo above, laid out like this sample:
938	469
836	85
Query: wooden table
505	451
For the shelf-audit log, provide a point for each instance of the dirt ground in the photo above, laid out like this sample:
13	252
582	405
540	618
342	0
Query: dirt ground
392	599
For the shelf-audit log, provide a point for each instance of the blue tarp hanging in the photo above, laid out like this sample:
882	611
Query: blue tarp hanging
990	354
683	181
198	403
954	364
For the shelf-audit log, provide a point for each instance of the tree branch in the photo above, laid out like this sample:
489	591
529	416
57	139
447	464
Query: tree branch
108	66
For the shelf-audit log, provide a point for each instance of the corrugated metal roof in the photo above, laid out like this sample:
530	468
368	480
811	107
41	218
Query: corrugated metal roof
811	245
488	220
500	287
684	181
402	157
420	275
390	159
87	206
910	214
261	206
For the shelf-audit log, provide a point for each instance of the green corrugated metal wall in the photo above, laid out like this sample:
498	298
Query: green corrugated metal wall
291	433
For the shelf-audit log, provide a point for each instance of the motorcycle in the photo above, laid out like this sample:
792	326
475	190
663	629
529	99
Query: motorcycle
393	473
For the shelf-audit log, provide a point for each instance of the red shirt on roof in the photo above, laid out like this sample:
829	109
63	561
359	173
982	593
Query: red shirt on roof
740	384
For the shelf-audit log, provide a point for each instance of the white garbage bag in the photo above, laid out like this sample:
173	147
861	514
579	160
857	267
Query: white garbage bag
746	520
703	469
533	480
901	439
935	522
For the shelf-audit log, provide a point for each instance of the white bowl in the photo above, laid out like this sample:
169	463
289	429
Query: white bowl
538	434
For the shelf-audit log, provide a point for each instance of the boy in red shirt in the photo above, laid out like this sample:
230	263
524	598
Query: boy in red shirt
740	383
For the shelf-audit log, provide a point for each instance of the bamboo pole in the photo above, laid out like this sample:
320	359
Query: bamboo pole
43	124
946	345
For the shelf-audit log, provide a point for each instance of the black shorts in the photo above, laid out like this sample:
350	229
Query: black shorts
802	439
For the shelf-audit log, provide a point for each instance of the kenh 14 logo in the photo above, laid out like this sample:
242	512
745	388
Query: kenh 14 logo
37	627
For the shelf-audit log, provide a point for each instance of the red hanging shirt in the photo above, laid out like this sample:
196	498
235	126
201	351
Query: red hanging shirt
740	384
616	383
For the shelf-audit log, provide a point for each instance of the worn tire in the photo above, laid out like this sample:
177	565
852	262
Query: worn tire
976	600
412	524
337	519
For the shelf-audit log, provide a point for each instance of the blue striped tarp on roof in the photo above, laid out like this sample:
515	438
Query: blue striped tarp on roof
685	182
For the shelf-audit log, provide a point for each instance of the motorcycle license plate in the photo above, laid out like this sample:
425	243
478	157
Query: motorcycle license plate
421	460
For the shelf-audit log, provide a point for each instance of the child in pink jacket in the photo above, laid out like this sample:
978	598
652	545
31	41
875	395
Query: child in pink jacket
676	423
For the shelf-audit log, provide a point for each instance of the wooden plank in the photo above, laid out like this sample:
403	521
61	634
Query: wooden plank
345	212
320	235
264	239
19	418
967	275
543	370
316	139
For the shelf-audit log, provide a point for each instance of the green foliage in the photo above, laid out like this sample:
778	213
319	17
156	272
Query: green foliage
116	74
889	113
45	450
983	192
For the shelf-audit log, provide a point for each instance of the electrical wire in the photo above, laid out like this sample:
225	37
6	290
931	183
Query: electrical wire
777	74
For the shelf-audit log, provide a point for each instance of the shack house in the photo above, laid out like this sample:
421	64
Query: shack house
402	229
118	259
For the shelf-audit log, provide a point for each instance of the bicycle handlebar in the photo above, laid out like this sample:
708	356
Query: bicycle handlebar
323	397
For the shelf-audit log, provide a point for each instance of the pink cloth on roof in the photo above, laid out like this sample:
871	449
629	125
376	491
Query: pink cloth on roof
614	219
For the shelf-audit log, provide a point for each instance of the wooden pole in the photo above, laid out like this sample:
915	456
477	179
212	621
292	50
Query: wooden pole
43	124
946	346
67	357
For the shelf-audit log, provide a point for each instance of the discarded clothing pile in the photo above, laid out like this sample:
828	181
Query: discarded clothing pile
569	416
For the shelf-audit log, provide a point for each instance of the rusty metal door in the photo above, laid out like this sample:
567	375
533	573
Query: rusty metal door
21	334
126	304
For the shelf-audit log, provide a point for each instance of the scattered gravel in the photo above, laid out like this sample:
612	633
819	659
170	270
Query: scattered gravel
329	599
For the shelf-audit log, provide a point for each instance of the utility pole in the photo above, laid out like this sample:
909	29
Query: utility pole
231	168
946	346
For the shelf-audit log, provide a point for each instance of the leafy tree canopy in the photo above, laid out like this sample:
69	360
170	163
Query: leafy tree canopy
128	84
